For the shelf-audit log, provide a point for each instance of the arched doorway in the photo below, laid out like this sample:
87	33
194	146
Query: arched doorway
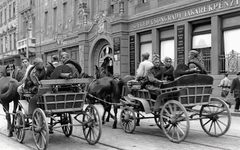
106	58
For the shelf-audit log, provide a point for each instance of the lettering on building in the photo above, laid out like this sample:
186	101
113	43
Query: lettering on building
204	9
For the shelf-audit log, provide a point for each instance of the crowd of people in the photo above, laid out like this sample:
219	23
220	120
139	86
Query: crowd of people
151	74
35	72
232	87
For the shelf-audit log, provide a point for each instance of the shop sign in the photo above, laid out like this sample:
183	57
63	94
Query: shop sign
70	41
132	55
180	44
200	10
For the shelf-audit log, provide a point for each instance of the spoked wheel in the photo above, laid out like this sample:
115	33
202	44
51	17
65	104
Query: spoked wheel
40	129
92	125
19	126
216	117
66	120
174	115
158	121
128	119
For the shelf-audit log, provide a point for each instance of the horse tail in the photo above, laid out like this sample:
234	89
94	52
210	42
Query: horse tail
11	87
115	92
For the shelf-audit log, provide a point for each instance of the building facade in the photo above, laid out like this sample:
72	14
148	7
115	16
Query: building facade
116	32
8	32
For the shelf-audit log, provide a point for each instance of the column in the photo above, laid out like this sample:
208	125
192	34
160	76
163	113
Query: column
216	44
155	41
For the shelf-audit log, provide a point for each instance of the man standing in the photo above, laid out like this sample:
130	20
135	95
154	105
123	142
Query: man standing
235	87
225	84
144	66
74	65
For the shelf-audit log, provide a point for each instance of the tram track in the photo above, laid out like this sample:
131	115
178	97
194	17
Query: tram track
146	133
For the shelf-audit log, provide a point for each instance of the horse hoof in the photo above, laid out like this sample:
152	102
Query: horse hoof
51	132
114	127
103	122
107	120
10	134
137	124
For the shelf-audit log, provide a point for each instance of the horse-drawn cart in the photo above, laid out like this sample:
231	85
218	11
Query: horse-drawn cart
187	98
55	103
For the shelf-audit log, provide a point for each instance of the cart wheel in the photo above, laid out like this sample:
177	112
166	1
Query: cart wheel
92	125
216	117
128	119
66	119
19	126
40	129
175	115
158	121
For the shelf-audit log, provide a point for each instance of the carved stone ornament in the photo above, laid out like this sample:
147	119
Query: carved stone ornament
99	20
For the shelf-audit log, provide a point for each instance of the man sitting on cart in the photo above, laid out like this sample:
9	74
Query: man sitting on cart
194	65
33	76
168	69
141	73
74	65
155	76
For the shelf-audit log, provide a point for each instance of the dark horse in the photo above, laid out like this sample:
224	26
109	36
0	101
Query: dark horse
107	92
8	93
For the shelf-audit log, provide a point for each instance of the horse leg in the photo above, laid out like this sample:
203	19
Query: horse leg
104	112
8	118
138	120
15	104
115	118
108	109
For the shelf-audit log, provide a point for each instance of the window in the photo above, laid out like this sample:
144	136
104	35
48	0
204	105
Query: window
5	15
146	45
1	18
46	23
14	41
14	9
65	15
167	43
1	45
10	42
202	41
55	19
10	11
144	1
231	52
76	11
6	44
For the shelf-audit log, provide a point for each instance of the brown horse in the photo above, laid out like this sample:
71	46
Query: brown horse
106	91
8	93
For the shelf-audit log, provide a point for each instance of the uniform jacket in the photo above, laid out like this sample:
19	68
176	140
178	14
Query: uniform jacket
235	87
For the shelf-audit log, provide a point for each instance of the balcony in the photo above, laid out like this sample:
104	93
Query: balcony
24	43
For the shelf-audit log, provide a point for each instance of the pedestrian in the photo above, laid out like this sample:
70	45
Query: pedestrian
225	84
235	89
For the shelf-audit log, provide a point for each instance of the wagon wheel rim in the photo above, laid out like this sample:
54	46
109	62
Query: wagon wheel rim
215	117
92	125
158	120
66	120
175	114
40	129
128	120
19	127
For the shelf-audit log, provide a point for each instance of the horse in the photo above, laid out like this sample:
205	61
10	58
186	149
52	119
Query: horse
8	93
105	89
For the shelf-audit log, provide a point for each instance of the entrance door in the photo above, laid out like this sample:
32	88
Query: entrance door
106	59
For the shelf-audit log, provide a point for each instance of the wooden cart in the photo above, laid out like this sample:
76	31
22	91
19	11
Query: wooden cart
187	98
52	107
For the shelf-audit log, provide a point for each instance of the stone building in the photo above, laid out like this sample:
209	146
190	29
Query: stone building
8	32
116	32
